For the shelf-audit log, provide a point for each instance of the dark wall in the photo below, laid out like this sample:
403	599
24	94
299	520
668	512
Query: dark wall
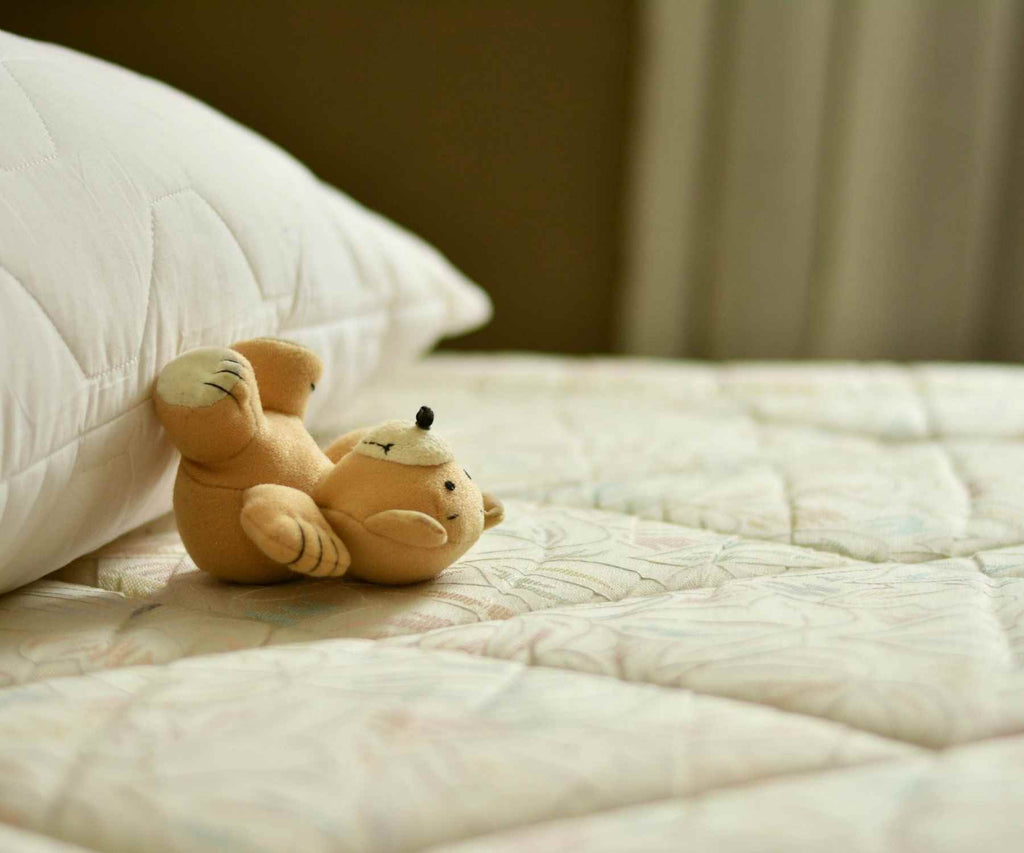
494	129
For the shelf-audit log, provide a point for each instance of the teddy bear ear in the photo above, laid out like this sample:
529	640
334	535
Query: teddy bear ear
408	527
494	511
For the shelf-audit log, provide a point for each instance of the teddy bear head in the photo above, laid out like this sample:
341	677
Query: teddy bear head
403	506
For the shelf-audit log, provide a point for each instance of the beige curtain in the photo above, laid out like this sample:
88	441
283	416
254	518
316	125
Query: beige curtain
827	179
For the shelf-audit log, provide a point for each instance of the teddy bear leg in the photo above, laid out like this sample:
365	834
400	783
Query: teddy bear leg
287	526
287	373
208	402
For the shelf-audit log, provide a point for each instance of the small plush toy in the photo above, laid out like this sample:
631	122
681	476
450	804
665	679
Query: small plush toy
257	501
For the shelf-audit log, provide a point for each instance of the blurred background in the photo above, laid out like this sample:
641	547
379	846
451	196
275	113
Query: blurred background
692	178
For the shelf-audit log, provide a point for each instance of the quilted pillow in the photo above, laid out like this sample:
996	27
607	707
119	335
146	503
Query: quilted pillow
135	223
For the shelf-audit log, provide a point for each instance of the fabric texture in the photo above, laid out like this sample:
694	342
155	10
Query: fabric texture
734	605
138	223
828	179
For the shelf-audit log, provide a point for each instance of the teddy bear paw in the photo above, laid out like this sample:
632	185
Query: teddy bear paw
203	377
317	552
287	526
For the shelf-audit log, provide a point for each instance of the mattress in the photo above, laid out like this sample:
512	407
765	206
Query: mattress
732	607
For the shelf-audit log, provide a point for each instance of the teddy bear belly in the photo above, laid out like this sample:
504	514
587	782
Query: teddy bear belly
209	523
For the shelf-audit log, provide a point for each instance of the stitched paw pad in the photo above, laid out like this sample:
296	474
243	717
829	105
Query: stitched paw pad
286	537
317	553
202	377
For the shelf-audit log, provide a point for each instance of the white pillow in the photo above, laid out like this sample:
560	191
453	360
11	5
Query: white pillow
135	223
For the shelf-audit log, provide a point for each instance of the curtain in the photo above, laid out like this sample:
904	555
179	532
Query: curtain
827	179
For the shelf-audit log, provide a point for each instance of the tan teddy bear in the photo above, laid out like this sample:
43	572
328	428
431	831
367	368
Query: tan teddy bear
257	501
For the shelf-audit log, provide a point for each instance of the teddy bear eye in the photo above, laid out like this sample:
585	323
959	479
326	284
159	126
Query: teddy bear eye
312	386
449	485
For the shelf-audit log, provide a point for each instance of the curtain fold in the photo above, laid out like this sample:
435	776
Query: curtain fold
827	179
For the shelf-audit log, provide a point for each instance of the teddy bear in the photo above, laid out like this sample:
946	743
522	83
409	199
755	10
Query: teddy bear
257	501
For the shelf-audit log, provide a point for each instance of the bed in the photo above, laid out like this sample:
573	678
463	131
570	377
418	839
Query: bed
732	607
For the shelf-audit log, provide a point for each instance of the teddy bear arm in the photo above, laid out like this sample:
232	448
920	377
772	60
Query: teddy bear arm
408	527
287	526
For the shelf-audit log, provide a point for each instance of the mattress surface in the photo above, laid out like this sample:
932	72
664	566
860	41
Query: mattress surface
749	606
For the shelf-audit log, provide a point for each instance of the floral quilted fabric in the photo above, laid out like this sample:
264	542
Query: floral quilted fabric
739	607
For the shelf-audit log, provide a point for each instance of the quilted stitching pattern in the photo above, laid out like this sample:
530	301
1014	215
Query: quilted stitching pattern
138	223
729	604
26	141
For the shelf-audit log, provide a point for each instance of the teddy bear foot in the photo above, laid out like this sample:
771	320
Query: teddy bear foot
287	526
203	377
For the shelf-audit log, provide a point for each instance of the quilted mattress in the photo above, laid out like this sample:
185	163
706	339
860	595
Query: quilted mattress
737	607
